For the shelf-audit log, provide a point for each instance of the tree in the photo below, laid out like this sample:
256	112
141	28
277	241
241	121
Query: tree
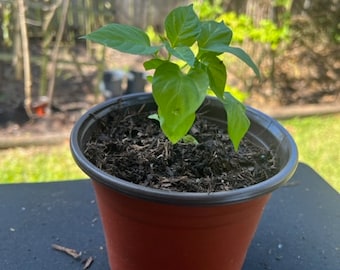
26	57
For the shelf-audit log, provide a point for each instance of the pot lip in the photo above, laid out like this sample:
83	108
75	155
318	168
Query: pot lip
175	197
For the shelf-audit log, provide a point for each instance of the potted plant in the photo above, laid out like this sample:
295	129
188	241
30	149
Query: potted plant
175	190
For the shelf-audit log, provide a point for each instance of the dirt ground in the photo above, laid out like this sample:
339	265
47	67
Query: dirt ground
303	75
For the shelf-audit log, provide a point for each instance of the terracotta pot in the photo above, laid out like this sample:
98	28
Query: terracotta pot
149	229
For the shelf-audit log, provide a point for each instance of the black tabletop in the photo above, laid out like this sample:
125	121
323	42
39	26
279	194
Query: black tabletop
300	228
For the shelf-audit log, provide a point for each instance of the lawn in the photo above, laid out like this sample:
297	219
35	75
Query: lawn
38	164
318	140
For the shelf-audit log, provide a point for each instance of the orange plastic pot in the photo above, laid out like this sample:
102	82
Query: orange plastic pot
149	229
143	234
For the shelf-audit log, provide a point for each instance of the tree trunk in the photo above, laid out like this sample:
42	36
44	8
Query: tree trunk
17	61
55	52
26	57
259	10
48	14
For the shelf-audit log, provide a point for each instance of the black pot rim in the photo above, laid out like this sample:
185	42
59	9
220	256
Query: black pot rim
182	198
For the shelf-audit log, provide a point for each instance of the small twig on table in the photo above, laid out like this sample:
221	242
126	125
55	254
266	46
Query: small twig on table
68	251
88	263
75	255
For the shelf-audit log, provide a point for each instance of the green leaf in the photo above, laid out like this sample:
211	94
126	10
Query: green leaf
182	26
189	139
154	116
214	35
153	63
178	97
149	78
238	122
184	53
241	54
124	38
238	52
217	73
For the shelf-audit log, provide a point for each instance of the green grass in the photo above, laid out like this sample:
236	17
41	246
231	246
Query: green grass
38	164
318	140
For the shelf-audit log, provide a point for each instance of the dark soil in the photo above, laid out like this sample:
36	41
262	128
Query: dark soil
132	147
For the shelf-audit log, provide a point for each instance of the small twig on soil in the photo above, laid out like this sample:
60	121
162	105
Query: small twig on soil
72	252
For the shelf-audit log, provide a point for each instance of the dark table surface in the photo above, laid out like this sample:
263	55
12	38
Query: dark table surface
300	228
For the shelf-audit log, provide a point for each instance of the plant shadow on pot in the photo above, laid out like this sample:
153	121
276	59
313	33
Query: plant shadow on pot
147	228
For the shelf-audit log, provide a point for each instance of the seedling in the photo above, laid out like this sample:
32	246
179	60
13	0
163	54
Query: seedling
180	89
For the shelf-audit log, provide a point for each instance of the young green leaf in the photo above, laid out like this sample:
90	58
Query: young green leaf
178	96
182	26
184	53
189	139
238	52
238	122
217	73
154	116
214	36
124	38
241	54
149	78
153	63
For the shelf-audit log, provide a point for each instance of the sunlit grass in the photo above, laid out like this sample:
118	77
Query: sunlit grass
318	140
38	164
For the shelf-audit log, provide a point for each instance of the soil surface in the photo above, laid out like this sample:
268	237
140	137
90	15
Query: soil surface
131	146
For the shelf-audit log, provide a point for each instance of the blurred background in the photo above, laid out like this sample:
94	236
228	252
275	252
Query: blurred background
49	77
